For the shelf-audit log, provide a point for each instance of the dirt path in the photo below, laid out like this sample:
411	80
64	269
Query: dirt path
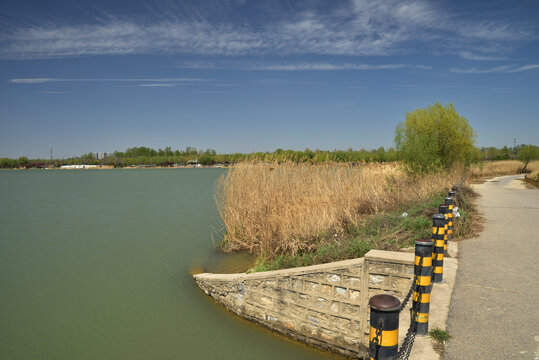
494	311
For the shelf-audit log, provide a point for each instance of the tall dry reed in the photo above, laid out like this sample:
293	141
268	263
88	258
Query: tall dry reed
534	168
497	168
283	208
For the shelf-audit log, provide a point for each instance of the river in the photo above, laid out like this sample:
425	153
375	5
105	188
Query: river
94	264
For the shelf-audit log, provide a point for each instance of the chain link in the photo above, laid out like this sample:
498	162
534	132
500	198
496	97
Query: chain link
375	343
417	272
408	342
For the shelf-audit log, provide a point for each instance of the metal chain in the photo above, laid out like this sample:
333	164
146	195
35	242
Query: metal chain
374	343
417	272
408	343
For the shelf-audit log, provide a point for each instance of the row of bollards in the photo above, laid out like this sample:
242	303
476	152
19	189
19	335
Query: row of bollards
428	269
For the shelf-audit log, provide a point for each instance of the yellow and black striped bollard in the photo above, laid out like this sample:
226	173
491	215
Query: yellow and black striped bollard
438	233
442	209
422	282
384	334
449	203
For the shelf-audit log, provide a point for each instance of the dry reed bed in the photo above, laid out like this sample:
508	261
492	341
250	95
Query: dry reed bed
534	168
284	208
502	167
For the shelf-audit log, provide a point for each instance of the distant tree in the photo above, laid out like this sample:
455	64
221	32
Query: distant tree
205	160
381	154
23	161
528	153
88	156
505	153
435	137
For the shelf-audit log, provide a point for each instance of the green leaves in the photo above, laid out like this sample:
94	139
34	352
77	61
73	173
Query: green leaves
433	138
528	153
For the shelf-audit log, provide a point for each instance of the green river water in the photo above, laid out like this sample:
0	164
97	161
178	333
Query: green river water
94	264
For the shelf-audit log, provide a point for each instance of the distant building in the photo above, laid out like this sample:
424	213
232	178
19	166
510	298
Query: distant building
84	166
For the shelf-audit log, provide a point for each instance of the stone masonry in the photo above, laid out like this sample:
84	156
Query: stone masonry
324	305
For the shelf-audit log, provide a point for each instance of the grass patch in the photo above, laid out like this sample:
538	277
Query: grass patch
469	224
384	231
274	209
439	335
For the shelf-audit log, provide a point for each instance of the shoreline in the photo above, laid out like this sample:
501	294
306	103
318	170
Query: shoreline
112	167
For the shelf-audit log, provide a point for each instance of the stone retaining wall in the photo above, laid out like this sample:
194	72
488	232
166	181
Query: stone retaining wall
323	305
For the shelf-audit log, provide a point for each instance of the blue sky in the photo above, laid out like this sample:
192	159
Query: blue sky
239	75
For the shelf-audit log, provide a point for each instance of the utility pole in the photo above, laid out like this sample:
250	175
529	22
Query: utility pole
51	153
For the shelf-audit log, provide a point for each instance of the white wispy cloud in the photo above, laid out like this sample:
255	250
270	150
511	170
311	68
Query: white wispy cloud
334	67
303	66
140	80
497	69
358	27
468	55
157	85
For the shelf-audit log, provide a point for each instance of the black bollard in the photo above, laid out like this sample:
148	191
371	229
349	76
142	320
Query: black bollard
438	232
422	282
449	203
442	209
384	334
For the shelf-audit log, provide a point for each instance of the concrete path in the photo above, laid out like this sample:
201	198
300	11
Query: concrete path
494	311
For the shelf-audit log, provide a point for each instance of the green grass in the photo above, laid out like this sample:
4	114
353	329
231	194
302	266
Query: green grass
439	335
384	231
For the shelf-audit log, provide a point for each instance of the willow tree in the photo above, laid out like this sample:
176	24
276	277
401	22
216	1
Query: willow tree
528	153
435	138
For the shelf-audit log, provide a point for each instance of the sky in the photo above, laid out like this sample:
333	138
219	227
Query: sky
244	76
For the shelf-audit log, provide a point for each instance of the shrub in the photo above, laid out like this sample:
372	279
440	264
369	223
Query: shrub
435	137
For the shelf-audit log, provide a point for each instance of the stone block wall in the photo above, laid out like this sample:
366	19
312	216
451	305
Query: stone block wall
322	305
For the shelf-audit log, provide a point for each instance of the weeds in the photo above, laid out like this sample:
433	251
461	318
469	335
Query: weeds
384	231
503	167
439	335
298	214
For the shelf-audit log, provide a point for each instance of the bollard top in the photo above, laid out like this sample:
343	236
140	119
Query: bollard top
442	208
424	242
438	217
448	200
384	302
452	193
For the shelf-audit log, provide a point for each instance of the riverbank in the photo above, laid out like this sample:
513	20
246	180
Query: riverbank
395	230
292	215
110	167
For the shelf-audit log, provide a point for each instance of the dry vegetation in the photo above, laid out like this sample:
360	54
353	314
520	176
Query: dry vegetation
534	168
285	208
503	167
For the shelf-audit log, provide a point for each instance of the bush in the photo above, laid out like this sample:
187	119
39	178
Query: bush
528	153
434	138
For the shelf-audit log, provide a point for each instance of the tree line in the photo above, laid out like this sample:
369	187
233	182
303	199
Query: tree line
427	140
146	156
